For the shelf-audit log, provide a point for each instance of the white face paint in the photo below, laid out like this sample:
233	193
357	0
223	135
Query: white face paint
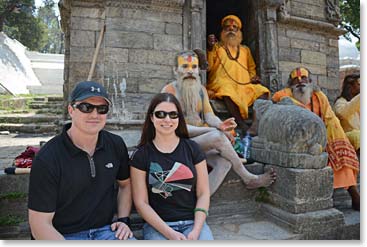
188	67
189	86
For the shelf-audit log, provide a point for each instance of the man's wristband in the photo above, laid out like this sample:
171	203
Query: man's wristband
125	220
201	210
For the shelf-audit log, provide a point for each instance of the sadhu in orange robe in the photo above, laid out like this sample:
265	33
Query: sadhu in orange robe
231	77
341	154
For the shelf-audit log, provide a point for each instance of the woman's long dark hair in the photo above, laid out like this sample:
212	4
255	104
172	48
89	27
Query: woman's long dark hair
148	133
348	83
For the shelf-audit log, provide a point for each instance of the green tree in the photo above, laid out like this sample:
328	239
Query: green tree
55	39
350	19
17	20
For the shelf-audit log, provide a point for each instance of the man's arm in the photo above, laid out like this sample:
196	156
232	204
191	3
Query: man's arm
41	226
124	202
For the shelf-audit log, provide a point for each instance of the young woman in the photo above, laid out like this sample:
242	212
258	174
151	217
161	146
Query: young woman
169	176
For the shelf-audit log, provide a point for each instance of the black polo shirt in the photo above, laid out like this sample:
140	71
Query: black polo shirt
63	181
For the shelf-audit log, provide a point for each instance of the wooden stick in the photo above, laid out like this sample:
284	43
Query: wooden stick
96	51
17	170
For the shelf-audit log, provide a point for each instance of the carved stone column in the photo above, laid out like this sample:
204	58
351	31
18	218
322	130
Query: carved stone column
194	27
268	42
291	140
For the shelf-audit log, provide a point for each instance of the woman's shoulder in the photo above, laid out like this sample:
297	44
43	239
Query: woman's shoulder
189	142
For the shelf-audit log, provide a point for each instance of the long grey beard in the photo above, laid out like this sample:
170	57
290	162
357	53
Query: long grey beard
303	94
189	96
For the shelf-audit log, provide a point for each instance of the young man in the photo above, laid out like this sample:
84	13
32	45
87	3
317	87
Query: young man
207	129
341	155
72	190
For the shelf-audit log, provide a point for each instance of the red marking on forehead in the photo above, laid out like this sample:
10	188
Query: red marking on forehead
231	22
189	59
299	74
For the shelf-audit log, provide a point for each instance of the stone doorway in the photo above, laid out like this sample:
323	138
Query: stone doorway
217	9
245	10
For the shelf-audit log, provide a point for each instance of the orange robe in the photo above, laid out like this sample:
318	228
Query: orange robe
225	72
341	154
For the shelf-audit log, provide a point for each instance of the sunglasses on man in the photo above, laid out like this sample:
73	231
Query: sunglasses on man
163	114
88	108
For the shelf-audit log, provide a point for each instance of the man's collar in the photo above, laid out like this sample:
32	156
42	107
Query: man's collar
74	150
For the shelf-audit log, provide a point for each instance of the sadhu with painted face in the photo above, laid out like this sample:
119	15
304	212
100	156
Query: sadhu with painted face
232	73
341	154
206	129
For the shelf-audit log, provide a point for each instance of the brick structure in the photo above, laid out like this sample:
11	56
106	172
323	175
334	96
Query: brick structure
142	36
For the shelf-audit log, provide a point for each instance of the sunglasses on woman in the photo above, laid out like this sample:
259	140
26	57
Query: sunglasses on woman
163	114
88	108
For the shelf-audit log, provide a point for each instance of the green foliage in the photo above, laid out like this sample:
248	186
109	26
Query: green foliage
38	31
22	25
262	195
350	19
55	38
13	195
10	220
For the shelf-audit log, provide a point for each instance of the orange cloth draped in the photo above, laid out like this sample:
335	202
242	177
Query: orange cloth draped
224	72
341	154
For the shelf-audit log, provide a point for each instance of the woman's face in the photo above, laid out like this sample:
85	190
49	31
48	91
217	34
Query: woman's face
355	89
165	118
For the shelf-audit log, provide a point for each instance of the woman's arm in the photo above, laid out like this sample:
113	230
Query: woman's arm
203	199
140	197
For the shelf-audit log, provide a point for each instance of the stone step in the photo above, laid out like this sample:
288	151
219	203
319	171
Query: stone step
47	105
49	98
29	128
29	118
54	111
46	89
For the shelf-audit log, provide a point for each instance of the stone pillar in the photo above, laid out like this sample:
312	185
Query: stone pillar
269	42
292	141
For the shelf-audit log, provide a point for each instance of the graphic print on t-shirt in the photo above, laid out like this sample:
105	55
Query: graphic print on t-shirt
164	182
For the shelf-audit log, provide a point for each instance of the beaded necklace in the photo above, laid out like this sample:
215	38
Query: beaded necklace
230	55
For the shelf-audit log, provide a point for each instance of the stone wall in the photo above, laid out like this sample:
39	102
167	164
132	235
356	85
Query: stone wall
142	36
308	36
136	56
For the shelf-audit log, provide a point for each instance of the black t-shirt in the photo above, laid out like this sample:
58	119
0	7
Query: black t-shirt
171	178
61	181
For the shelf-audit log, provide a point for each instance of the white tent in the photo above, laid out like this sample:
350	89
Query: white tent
15	67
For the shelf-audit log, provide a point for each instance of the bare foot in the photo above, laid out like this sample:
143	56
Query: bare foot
264	180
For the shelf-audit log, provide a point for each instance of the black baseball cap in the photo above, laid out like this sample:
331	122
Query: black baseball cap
86	89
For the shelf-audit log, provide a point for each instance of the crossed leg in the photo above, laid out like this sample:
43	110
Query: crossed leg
216	140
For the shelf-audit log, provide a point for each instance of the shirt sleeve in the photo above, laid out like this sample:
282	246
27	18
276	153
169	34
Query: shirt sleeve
344	109
124	171
43	187
197	155
138	160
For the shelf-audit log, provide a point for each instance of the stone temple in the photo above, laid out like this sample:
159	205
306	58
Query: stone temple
141	37
136	42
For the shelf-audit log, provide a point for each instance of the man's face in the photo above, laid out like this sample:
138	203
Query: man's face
188	68
301	84
230	28
88	123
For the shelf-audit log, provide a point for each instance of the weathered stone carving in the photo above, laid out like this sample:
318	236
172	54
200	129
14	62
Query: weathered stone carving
153	5
332	11
289	136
